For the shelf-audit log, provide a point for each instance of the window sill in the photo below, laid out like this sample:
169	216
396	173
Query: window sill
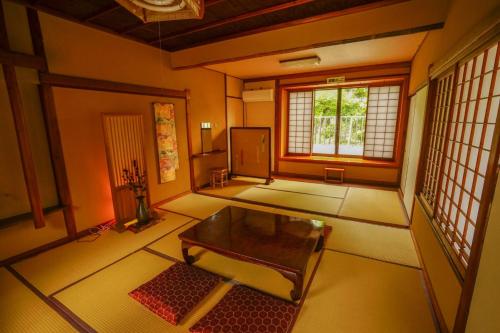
352	161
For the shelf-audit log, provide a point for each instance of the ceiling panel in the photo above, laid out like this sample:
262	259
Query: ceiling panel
110	16
364	53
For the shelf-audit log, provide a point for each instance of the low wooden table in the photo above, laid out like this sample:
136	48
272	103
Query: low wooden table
280	242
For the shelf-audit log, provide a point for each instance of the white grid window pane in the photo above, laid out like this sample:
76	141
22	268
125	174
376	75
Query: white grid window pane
468	151
299	122
381	118
440	116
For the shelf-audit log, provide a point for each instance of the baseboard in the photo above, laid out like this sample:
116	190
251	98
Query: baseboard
67	239
35	251
346	180
172	198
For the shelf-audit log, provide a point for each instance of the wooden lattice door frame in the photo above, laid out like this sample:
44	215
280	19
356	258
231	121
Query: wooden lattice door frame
129	140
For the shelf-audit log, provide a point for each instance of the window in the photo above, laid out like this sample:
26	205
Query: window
440	112
381	121
299	122
346	121
458	157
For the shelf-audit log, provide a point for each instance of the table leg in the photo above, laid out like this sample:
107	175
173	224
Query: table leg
298	281
320	243
185	249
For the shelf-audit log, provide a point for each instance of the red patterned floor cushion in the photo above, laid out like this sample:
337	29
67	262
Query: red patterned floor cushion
176	291
244	310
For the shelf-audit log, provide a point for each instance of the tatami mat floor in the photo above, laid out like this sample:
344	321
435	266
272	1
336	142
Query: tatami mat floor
380	206
367	279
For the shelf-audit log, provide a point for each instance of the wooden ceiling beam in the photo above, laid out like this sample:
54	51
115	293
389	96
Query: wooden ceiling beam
133	28
21	59
108	9
310	19
233	19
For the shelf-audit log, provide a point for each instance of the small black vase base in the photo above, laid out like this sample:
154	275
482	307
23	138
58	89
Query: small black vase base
155	216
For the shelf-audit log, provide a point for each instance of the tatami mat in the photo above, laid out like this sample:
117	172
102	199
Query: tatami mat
319	204
333	191
353	294
258	277
379	242
22	311
375	241
102	300
234	187
59	267
375	205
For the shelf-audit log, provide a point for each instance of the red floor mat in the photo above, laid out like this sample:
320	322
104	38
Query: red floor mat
244	310
176	291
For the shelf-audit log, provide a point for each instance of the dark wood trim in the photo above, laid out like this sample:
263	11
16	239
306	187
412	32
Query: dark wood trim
192	180
490	181
62	310
22	131
34	252
108	9
21	59
347	70
64	81
52	128
26	216
231	20
226	134
177	196
235	97
408	31
311	19
277	125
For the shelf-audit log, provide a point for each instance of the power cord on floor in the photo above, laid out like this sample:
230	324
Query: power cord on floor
96	232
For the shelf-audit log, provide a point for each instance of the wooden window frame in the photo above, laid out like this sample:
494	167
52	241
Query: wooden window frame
401	81
465	271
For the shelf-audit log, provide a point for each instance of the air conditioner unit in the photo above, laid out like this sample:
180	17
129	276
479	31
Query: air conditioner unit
261	95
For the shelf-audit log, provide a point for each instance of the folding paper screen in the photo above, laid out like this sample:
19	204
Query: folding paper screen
124	138
251	151
166	140
299	122
381	119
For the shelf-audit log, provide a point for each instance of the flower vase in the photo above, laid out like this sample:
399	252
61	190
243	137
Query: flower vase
141	212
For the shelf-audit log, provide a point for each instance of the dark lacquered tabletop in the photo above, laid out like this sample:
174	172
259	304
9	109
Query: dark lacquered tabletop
277	240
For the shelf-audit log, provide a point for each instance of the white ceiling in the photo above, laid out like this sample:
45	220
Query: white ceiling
369	52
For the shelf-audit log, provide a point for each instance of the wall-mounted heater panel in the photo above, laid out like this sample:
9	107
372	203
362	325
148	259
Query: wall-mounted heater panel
260	95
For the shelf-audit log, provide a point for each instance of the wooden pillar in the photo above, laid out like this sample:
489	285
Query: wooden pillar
16	104
52	128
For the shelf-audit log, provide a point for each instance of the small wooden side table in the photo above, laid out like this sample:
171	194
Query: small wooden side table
219	177
332	180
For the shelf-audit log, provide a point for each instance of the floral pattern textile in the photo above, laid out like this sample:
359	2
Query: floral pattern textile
166	138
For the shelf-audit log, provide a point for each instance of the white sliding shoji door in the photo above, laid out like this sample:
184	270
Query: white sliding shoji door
381	121
299	122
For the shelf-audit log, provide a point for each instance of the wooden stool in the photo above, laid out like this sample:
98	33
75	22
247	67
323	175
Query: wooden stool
219	176
330	180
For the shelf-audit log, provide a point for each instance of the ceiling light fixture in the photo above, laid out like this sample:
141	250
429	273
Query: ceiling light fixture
301	62
164	10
